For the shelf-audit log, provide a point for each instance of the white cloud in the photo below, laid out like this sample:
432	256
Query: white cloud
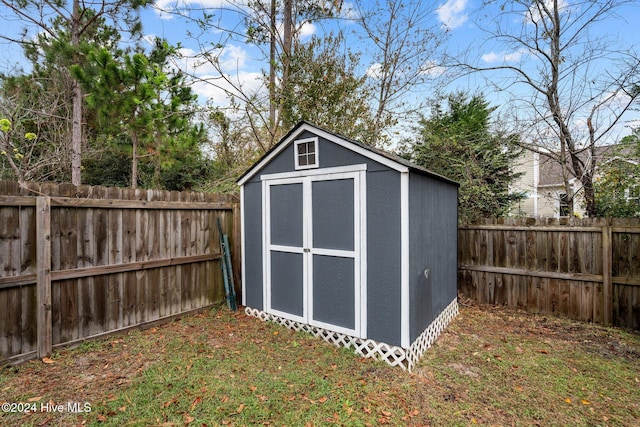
502	57
307	30
216	90
452	13
534	15
431	69
189	62
164	8
374	70
349	11
231	59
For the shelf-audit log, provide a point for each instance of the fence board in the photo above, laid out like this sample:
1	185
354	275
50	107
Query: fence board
119	258
581	269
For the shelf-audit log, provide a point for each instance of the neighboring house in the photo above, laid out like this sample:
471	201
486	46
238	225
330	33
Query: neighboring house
543	183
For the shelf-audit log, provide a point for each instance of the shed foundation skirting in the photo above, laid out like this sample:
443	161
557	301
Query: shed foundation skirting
393	355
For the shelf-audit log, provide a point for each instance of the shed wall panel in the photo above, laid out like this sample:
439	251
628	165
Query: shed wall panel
287	291
286	206
383	257
333	291
253	244
433	225
332	213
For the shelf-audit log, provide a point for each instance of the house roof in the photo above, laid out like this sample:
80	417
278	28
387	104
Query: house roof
551	171
388	159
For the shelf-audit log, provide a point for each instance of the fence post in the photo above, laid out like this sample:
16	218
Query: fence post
607	261
43	262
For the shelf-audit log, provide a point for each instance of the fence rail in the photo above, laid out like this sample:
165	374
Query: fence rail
80	262
584	269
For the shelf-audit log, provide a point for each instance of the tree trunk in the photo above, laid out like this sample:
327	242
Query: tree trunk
272	72
77	99
134	161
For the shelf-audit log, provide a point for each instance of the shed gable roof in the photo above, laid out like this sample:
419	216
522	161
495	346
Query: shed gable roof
390	160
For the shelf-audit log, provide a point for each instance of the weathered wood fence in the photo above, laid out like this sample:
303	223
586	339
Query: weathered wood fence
80	262
583	269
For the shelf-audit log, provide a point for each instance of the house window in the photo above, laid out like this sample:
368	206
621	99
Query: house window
306	152
564	205
633	194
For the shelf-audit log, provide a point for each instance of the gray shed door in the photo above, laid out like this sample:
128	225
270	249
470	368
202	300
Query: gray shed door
313	249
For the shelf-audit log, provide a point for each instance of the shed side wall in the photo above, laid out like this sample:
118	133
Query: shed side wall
433	221
253	244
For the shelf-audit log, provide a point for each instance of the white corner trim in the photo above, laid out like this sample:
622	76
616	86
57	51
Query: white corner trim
315	172
404	261
243	245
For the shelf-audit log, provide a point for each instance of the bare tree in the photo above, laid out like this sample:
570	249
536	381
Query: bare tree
274	27
32	134
405	43
78	17
570	86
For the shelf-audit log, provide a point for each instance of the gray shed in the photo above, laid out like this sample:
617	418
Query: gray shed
349	243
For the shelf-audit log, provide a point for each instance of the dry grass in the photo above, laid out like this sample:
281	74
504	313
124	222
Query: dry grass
492	366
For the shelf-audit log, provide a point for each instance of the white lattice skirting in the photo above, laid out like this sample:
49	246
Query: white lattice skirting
393	355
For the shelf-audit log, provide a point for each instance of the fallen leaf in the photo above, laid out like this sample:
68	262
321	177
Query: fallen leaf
275	332
47	360
543	351
196	402
34	399
322	399
253	388
122	409
335	418
170	402
518	388
385	413
240	408
188	419
585	402
568	400
474	421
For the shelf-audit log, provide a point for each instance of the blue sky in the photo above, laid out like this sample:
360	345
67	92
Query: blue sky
463	20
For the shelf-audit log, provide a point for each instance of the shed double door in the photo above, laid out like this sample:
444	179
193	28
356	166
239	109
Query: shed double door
313	250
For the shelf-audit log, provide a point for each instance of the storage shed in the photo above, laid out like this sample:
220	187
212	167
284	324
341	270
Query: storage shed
349	243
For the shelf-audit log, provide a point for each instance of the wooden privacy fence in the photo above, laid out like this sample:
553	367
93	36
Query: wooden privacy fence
80	262
583	269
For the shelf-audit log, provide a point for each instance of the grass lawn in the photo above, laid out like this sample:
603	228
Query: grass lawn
492	366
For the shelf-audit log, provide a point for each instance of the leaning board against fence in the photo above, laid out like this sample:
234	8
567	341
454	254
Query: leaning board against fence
79	262
583	269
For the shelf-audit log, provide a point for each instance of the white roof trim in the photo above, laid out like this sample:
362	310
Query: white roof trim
328	136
